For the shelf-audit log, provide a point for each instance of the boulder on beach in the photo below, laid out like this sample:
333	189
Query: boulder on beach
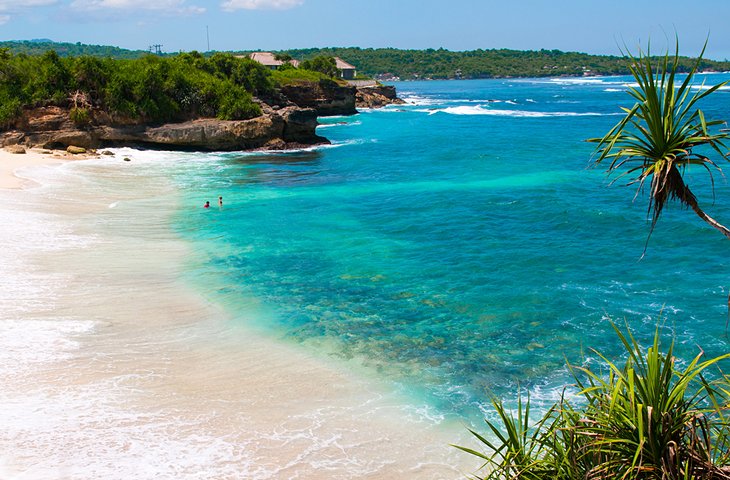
15	149
75	150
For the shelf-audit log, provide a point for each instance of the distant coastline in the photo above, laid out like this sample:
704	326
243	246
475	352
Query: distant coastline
429	64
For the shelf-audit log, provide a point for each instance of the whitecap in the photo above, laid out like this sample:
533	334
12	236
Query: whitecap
339	124
707	87
577	81
480	110
420	100
313	148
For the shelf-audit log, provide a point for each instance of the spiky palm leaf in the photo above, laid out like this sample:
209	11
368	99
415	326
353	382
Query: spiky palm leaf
660	135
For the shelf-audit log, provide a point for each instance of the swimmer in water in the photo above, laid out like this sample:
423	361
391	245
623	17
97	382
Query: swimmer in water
207	205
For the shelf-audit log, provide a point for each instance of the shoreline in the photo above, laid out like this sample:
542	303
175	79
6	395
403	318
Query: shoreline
11	163
133	371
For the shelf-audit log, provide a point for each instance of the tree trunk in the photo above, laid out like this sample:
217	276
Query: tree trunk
692	202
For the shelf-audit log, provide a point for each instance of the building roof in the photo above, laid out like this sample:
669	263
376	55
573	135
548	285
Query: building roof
268	59
343	65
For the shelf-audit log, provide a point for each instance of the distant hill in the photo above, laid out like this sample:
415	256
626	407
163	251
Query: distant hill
412	64
441	63
40	46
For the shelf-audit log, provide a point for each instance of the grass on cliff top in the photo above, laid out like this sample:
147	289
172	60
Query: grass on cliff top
297	76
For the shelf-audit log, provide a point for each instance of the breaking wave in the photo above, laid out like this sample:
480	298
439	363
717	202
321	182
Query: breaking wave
481	110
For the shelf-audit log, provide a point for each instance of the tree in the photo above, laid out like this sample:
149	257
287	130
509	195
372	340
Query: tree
321	64
283	57
663	134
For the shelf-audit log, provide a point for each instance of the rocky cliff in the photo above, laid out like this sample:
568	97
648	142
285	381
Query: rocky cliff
290	123
51	127
329	98
376	96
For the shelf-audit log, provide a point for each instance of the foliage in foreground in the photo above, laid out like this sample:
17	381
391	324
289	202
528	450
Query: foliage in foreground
663	134
648	419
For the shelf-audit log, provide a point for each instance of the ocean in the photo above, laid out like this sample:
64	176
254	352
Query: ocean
351	308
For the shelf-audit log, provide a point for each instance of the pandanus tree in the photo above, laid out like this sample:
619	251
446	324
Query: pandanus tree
663	134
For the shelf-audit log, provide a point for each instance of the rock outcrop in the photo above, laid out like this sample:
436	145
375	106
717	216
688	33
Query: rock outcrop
327	97
289	127
377	96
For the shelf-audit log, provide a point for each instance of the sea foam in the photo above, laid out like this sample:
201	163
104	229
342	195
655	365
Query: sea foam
482	110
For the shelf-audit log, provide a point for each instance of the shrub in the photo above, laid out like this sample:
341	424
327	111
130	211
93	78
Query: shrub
648	419
322	64
80	116
149	89
10	109
235	104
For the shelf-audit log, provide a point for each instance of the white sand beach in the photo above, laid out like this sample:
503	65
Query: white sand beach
10	163
112	368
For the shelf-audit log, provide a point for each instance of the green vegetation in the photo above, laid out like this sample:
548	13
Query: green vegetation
649	419
322	64
413	64
663	134
148	89
39	47
289	76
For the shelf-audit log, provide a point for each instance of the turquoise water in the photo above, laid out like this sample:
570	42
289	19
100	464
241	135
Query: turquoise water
457	246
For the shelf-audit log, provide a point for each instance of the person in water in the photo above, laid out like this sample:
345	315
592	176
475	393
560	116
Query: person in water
220	202
207	204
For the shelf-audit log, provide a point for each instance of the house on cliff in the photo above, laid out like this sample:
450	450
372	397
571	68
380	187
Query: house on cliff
268	60
347	71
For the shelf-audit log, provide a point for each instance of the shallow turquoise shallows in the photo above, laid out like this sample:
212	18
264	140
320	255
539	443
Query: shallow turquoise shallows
459	246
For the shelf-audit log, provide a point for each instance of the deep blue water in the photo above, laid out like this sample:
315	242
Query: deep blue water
460	245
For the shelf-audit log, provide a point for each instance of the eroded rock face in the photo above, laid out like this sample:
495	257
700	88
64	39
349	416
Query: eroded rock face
285	128
299	125
203	134
377	96
327	98
290	123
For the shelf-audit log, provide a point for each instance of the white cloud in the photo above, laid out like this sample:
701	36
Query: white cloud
230	5
14	5
177	7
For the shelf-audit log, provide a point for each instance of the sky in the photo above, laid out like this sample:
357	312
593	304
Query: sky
586	26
